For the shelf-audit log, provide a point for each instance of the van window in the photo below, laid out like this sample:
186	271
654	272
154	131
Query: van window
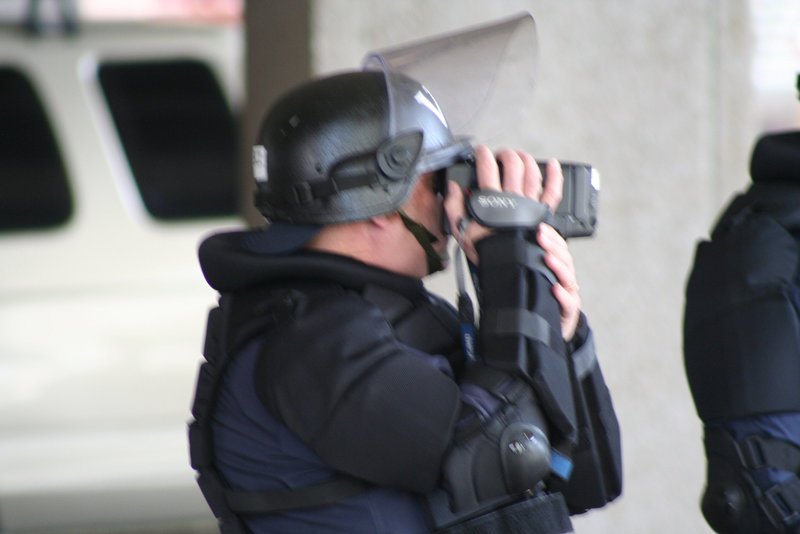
34	193
178	134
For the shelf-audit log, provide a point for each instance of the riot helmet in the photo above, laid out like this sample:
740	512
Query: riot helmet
351	146
348	147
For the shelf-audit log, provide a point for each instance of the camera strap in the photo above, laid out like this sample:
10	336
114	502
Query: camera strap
466	310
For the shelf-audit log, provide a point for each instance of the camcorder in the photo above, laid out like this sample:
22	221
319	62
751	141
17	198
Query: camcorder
575	216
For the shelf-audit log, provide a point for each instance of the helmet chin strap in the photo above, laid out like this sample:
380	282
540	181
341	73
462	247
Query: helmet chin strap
426	239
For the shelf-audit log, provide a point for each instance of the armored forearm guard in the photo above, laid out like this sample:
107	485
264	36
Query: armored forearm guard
520	325
553	403
520	333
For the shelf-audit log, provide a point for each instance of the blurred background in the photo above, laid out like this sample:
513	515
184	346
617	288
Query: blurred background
125	131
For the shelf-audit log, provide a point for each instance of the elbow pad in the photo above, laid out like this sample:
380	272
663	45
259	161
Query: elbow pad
495	459
506	453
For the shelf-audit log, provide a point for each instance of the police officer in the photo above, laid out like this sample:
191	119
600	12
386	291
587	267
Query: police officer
337	396
742	348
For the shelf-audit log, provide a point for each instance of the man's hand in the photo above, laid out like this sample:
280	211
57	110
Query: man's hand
521	176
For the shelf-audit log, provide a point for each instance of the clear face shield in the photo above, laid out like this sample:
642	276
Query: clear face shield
478	81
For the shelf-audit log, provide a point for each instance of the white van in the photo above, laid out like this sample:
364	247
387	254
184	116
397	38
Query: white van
117	154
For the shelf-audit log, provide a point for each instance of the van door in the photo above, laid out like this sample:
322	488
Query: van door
117	155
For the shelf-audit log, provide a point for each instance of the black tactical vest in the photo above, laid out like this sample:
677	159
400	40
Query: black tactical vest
741	328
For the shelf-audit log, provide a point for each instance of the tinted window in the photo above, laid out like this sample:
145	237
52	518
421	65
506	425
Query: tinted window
33	183
178	134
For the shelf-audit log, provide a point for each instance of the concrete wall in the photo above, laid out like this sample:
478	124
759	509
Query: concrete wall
655	95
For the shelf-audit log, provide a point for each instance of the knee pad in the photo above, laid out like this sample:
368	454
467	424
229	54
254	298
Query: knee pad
728	503
733	503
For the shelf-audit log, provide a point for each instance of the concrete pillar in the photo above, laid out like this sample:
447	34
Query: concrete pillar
278	56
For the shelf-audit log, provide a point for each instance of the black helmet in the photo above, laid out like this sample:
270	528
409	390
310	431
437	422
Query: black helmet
349	147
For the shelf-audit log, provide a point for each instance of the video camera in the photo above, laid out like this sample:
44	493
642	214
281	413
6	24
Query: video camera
575	216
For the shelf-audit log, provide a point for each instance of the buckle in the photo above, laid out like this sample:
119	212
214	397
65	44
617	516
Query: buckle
303	193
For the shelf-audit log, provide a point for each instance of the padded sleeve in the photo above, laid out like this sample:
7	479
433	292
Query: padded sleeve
337	377
597	458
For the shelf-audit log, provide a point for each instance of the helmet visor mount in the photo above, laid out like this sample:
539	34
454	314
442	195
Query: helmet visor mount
482	78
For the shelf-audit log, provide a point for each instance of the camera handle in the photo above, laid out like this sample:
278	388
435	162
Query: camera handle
505	211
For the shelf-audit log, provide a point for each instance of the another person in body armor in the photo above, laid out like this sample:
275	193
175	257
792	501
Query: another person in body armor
337	396
742	348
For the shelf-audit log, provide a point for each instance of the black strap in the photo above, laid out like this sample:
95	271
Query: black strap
393	160
760	452
544	514
754	452
517	321
781	502
274	501
307	192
